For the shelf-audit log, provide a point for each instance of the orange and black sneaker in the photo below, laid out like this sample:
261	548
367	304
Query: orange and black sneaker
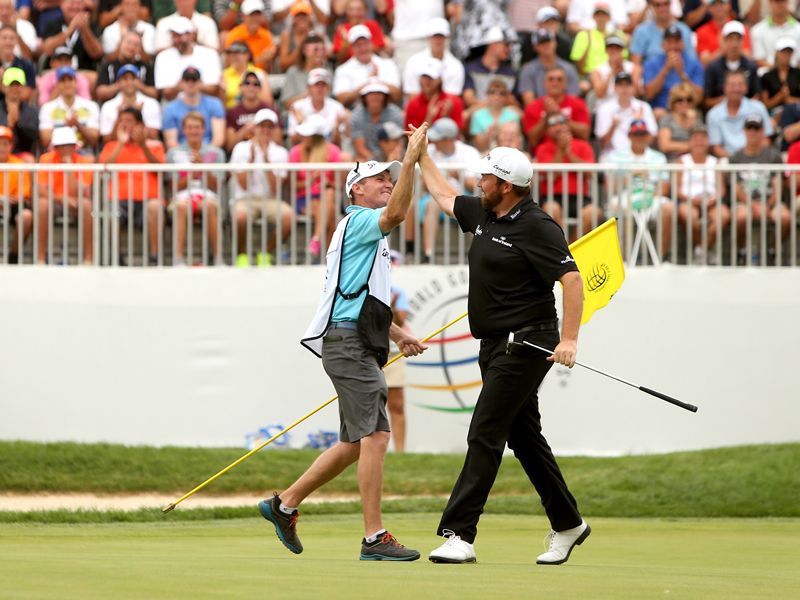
285	525
387	547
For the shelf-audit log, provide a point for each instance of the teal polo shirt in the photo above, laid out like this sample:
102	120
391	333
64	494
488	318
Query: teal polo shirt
360	244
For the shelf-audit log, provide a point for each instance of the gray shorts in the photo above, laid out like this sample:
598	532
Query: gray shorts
358	381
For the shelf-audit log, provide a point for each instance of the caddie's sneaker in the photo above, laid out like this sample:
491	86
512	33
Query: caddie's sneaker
386	548
560	544
454	550
285	525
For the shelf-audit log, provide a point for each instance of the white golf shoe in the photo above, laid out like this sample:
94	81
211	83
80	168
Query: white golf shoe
454	550
560	544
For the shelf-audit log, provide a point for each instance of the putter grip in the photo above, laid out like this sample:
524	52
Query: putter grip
670	399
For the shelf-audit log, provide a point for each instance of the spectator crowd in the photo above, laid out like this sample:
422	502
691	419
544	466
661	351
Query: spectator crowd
691	82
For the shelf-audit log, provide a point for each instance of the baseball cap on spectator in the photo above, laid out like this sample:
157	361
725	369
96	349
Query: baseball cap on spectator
443	129
785	43
432	68
251	75
191	74
547	13
252	6
128	68
265	114
314	124
64	136
556	119
602	7
300	7
62	72
357	32
753	122
542	35
389	130
508	164
495	34
62	51
5	132
615	40
370	169
732	27
673	31
238	47
14	75
623	76
319	75
637	126
181	25
438	26
374	86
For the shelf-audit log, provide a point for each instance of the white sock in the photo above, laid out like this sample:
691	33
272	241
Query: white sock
374	537
287	510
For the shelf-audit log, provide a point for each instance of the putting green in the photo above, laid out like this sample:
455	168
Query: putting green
633	558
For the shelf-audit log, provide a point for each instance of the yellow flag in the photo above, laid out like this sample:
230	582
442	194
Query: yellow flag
599	259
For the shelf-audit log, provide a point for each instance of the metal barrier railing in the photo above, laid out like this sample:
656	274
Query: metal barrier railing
189	214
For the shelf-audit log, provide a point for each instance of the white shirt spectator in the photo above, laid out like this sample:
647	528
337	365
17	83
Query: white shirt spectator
151	112
205	28
452	76
764	34
55	113
463	154
352	74
331	111
581	13
411	18
619	139
258	185
170	64
699	183
27	33
605	71
112	37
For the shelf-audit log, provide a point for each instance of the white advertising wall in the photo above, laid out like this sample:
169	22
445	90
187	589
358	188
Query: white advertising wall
212	357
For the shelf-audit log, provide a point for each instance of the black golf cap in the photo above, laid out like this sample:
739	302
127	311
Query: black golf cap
673	31
191	74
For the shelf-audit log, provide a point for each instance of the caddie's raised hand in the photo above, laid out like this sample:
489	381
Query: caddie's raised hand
417	141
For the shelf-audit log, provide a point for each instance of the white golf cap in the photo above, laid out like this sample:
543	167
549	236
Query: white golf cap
181	25
265	114
432	67
443	129
374	86
314	124
63	136
252	6
438	26
507	164
357	32
370	169
318	75
495	34
732	27
547	13
785	43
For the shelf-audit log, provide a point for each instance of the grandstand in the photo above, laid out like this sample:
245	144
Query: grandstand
628	111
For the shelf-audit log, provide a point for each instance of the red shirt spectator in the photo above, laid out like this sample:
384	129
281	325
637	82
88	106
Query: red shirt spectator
549	151
555	100
572	107
432	102
356	14
708	37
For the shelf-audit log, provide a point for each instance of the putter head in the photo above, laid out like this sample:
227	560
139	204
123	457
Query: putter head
168	508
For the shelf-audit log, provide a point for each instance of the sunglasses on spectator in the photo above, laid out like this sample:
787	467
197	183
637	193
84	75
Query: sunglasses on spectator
683	99
498	91
555	78
254	82
753	126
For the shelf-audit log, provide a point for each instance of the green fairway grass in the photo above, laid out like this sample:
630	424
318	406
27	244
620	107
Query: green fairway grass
241	558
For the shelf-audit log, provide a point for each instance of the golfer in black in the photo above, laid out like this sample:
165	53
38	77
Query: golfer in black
517	254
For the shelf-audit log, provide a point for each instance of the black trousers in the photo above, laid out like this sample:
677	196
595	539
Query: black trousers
507	411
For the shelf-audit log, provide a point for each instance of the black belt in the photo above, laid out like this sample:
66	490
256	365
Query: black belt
344	325
541	326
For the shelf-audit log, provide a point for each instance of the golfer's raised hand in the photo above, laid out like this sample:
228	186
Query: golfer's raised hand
411	346
565	353
417	141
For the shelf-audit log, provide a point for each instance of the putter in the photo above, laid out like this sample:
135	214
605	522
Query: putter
690	407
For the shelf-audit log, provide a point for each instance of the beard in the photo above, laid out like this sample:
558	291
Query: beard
491	200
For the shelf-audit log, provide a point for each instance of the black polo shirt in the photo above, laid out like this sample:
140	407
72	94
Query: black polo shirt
514	263
717	70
